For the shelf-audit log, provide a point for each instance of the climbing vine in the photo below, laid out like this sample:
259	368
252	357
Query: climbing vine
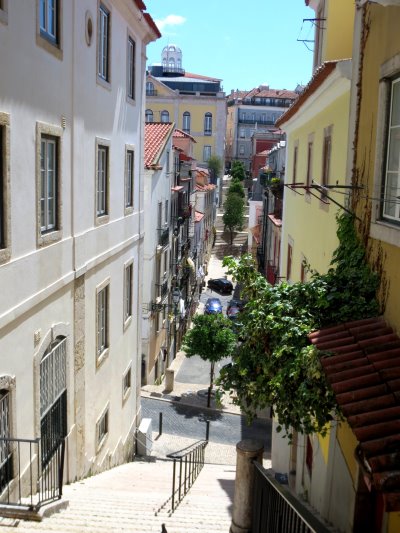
275	363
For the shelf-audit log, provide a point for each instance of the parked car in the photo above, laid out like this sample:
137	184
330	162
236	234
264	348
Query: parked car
234	307
213	306
222	285
233	312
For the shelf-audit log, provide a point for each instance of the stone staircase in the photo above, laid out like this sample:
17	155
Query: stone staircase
126	498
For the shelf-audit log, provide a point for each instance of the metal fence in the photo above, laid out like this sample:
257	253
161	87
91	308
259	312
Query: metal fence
30	482
276	510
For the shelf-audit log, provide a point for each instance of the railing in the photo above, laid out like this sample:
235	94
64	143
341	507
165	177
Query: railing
261	122
276	510
173	70
163	237
162	289
28	482
187	465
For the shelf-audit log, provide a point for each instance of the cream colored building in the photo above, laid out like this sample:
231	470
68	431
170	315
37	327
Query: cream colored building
71	136
195	103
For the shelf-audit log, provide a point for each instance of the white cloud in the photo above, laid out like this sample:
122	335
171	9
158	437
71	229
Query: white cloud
170	20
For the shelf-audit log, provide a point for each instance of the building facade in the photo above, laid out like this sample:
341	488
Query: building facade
195	103
72	227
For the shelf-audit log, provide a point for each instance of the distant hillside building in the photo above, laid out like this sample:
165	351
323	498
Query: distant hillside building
251	112
195	103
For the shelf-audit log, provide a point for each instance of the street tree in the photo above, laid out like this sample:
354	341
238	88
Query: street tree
212	339
233	216
238	170
275	363
215	167
236	187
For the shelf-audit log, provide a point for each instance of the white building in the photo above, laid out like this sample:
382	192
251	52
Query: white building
71	136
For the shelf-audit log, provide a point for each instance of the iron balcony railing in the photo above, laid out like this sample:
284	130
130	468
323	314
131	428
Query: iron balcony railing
187	465
30	478
261	122
163	237
162	289
276	510
173	70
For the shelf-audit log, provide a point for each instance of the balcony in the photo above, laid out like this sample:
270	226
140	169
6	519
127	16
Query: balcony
163	237
151	92
162	289
207	132
260	122
171	71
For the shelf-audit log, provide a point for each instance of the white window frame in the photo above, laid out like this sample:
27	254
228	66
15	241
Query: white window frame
102	181
49	231
186	119
103	43
103	427
131	65
128	293
126	383
384	229
5	222
206	152
46	8
149	115
48	189
102	321
129	179
208	124
164	115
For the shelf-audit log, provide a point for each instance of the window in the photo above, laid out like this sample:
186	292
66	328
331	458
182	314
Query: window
168	166
6	461
241	149
131	68
49	20
102	320
5	250
48	189
148	115
150	91
326	158
102	428
295	155
129	174
103	44
208	124
206	152
126	382
242	133
391	185
309	163
289	262
167	213
102	181
186	122
128	287
164	116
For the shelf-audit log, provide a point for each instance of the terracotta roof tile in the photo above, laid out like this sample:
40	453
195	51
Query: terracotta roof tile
180	134
156	134
364	372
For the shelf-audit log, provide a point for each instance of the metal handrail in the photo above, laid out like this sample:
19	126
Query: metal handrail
40	481
277	509
187	465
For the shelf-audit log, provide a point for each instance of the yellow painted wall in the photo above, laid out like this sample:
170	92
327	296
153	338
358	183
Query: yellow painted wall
339	33
348	443
382	44
308	221
393	523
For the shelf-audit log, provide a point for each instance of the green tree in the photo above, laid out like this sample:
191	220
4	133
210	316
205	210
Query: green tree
238	171
236	187
233	213
275	364
211	338
215	167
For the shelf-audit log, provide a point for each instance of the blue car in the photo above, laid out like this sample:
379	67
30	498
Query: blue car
213	306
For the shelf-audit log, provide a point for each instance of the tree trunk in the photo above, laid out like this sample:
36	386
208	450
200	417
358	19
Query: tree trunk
231	236
211	384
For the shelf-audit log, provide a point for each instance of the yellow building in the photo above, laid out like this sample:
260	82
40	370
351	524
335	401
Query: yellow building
195	103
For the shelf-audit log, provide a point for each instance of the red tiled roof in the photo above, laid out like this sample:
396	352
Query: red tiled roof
177	188
182	134
364	372
271	93
156	135
316	81
208	187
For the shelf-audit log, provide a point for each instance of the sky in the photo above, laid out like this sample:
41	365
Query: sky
244	45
